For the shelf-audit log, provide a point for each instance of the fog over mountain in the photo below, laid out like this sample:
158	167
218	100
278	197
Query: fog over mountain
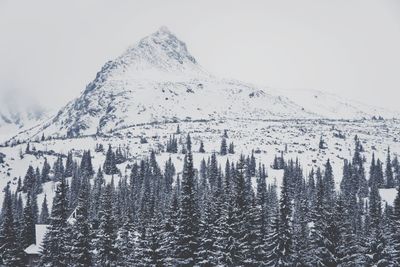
349	49
157	80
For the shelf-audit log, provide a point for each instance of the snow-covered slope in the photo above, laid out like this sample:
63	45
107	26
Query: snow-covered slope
16	112
158	80
333	106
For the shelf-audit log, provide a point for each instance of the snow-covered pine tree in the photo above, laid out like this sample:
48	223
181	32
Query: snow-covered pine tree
10	251
38	183
329	182
127	244
29	180
378	245
54	252
206	255
322	247
169	173
153	250
284	249
227	245
170	235
81	238
86	164
231	149
396	229
45	175
201	149
389	171
187	241
28	224
106	234
58	169
223	149
69	165
95	199
44	213
301	229
109	165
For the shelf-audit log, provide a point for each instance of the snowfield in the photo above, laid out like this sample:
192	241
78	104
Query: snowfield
295	138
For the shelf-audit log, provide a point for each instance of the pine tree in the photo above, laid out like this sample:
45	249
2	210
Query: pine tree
86	164
201	149
231	149
389	171
30	180
378	247
324	231
69	165
80	247
127	244
259	219
58	169
379	174
372	172
37	186
45	177
396	170
75	185
206	253
321	144
187	225
300	224
109	165
283	251
329	182
227	245
152	250
27	149
107	251
9	249
223	149
396	228
170	235
54	251
28	225
172	145
96	193
44	214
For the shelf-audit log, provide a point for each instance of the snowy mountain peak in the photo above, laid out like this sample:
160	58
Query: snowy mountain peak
161	50
157	80
159	56
165	41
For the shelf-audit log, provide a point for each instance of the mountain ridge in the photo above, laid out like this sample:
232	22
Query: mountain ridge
158	80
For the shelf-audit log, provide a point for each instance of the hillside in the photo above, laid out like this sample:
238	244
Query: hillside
157	80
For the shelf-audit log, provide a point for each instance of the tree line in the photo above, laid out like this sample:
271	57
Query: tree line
220	214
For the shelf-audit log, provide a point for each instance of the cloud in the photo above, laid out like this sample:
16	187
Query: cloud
54	48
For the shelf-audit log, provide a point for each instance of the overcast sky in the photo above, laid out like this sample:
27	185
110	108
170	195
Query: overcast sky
52	49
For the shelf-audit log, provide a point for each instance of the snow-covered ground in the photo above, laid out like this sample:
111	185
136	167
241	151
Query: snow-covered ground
296	138
157	82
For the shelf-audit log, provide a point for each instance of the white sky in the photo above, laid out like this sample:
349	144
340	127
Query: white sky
52	49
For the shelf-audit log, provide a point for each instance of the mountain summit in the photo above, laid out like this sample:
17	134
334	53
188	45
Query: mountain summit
160	55
158	80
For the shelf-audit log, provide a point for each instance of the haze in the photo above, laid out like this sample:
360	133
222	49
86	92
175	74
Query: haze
52	49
